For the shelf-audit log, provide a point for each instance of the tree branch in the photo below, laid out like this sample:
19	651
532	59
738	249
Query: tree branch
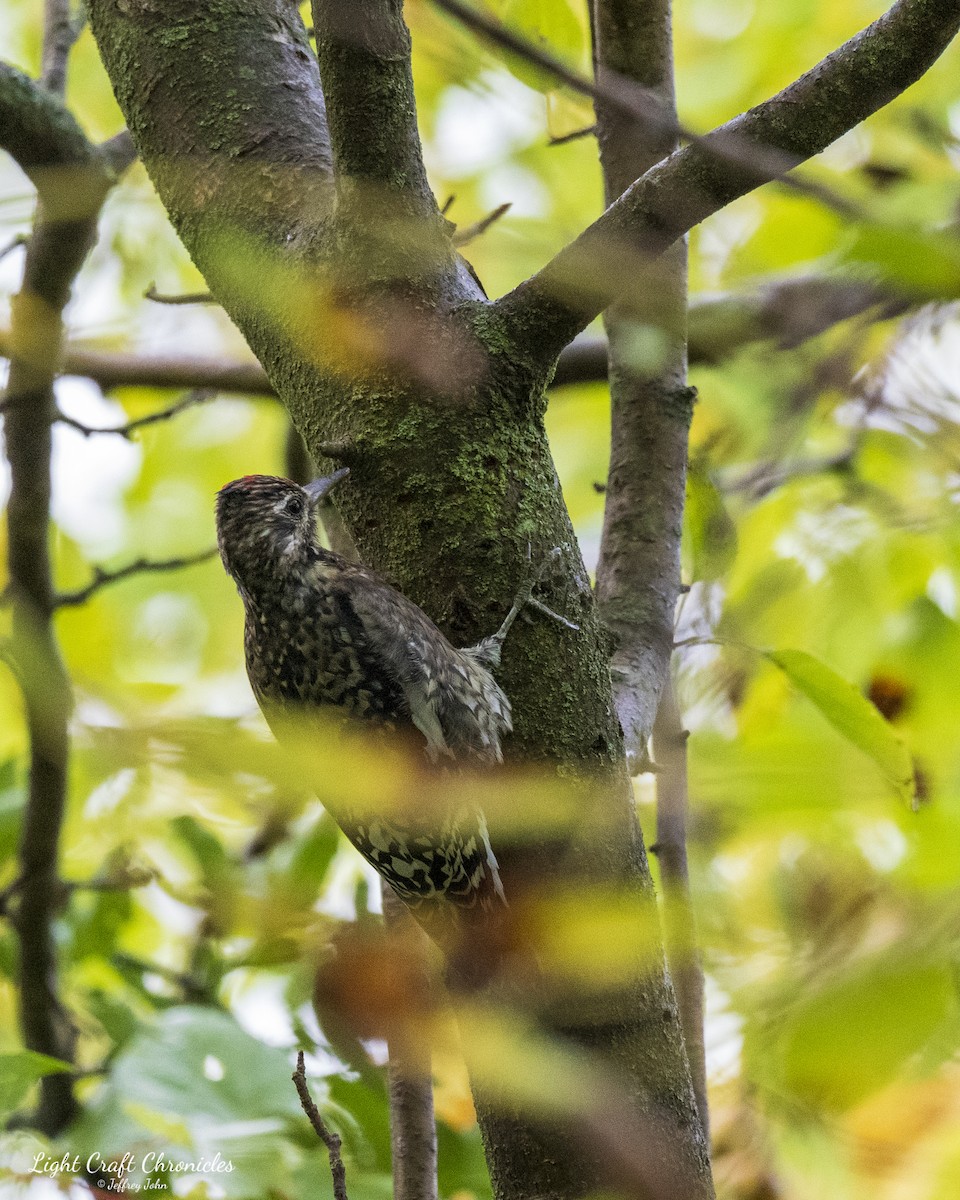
141	566
602	265
364	53
390	228
59	35
634	102
173	371
330	1140
670	753
70	174
638	574
72	179
413	1129
786	311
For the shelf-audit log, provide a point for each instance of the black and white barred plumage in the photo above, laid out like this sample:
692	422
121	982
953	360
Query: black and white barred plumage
323	631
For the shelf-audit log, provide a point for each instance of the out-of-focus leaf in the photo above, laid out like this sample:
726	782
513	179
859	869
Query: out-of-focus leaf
117	1018
198	1062
711	540
19	1072
552	25
208	850
363	1119
311	858
925	263
99	922
850	1036
194	1085
11	809
851	714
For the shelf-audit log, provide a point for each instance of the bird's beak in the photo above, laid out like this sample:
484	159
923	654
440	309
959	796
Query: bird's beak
319	488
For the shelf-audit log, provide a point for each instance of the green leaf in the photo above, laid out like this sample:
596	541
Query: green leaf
925	263
711	536
848	1037
851	714
550	25
19	1072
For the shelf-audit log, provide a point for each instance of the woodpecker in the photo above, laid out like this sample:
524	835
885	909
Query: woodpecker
321	630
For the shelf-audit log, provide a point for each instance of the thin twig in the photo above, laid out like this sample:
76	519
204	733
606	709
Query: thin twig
642	105
191	400
330	1140
573	136
765	477
470	232
127	884
187	298
141	566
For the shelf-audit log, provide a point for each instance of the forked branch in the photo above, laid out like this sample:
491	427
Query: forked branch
601	266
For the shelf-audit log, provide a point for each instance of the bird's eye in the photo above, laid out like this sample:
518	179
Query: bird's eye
294	506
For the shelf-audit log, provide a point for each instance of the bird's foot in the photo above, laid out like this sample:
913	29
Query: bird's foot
488	650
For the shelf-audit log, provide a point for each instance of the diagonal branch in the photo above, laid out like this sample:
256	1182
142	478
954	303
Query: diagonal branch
619	91
601	266
70	174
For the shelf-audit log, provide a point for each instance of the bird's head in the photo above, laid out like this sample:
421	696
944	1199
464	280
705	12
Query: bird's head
265	521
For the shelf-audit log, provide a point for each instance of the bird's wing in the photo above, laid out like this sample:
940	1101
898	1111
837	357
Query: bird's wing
454	701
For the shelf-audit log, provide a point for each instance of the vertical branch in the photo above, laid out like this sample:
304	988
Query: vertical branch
413	1128
64	228
364	53
46	688
670	752
59	35
638	576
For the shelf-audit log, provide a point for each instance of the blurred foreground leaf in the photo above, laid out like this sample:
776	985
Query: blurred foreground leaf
19	1072
851	714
